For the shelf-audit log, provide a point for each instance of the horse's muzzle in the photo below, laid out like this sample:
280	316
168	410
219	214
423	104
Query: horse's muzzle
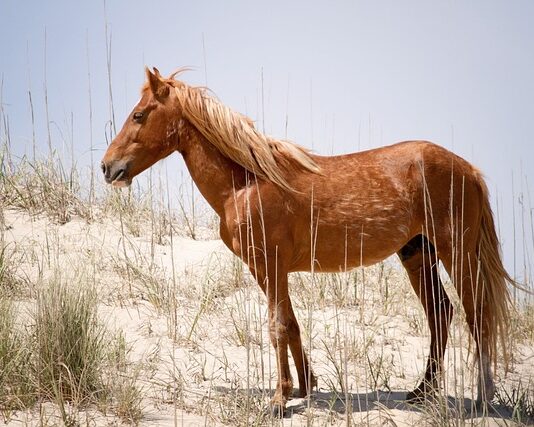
115	172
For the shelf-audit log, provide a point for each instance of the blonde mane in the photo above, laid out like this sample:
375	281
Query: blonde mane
236	137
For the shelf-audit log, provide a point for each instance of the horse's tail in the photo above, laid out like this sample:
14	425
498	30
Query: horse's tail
493	280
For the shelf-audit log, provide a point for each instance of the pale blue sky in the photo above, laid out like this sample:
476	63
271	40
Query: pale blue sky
345	75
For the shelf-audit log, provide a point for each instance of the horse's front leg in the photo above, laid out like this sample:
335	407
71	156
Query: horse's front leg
278	329
273	281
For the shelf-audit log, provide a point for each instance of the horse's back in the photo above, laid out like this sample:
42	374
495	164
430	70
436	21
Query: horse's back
367	205
401	171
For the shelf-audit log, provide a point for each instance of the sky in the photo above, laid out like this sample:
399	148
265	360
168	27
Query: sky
336	76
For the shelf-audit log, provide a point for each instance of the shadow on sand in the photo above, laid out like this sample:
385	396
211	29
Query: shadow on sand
379	400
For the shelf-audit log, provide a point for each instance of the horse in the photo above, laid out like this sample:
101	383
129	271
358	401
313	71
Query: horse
283	209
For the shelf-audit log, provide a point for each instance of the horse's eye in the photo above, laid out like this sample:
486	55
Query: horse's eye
138	116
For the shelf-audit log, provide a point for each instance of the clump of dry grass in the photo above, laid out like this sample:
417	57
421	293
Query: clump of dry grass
71	344
9	283
241	409
522	324
134	210
520	400
66	356
46	186
15	366
42	186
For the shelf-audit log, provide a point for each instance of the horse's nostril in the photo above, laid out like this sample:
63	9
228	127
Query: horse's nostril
116	173
103	167
119	174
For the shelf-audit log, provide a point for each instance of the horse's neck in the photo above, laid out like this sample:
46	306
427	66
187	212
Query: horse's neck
216	176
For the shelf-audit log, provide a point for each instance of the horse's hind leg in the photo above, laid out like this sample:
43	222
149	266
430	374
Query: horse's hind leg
463	268
469	287
419	259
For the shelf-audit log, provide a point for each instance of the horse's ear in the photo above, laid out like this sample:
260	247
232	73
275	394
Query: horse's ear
158	87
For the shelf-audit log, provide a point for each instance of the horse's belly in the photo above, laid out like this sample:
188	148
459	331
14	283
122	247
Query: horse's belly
335	249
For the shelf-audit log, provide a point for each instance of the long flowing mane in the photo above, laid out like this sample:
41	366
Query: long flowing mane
236	137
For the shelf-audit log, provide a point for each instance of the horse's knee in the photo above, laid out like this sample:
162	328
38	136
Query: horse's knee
279	333
283	328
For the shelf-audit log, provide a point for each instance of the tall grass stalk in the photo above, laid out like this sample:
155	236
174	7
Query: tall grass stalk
113	129
90	105
45	87
30	99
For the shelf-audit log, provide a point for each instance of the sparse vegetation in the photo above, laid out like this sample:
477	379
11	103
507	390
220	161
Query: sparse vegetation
196	339
42	187
15	366
70	343
110	313
519	400
64	355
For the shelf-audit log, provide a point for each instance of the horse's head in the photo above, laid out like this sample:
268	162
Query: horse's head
150	133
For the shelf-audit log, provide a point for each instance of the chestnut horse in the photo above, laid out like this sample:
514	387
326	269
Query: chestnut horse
283	209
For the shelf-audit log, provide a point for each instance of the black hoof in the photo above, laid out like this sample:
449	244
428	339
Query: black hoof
415	397
483	405
302	394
